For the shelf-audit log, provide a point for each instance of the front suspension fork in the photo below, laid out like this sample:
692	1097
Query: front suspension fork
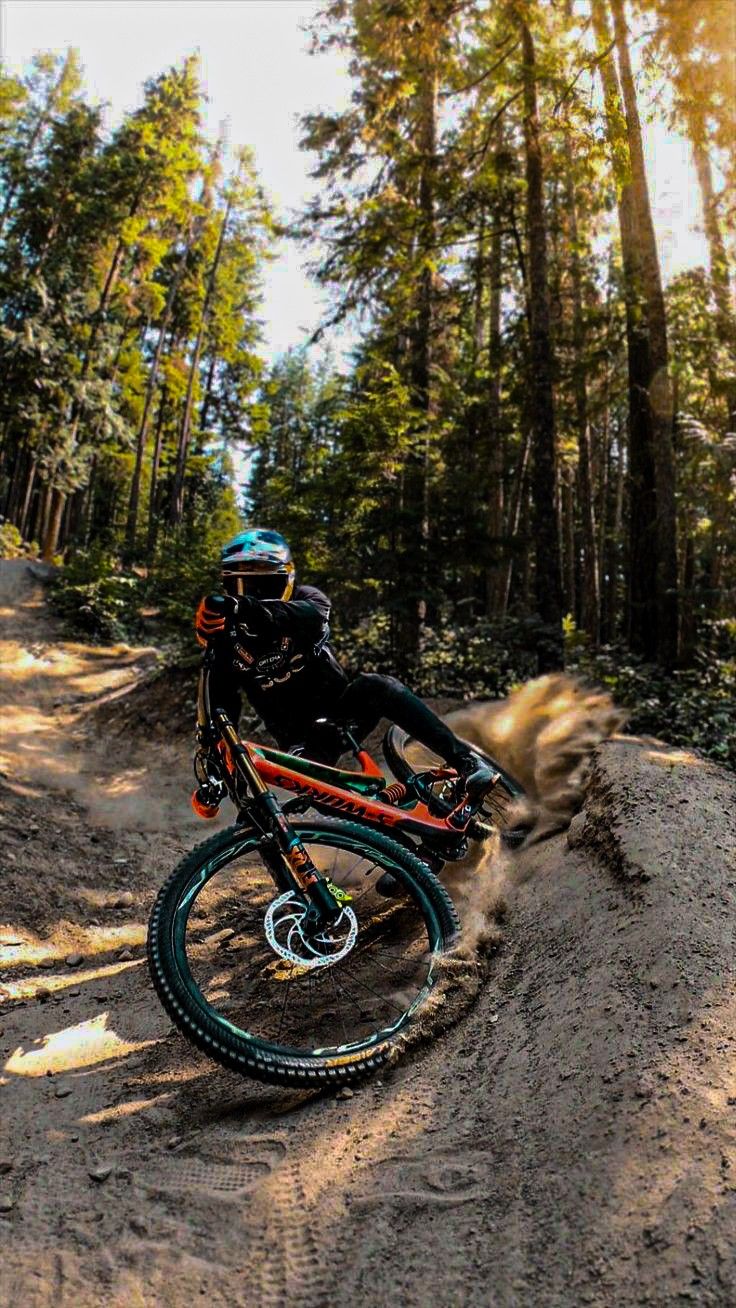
294	868
301	874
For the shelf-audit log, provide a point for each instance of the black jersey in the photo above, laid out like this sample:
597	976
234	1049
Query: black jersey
277	652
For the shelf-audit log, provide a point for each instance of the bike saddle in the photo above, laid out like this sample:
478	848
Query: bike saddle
344	732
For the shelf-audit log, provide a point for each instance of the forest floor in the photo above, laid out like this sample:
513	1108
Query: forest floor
570	1141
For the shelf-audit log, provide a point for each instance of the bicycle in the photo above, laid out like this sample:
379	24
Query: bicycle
270	945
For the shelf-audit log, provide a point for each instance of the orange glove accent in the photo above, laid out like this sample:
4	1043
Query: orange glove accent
208	622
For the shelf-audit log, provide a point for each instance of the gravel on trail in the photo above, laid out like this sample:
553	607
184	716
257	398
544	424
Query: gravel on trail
570	1140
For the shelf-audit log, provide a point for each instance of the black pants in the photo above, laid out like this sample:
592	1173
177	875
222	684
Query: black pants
365	700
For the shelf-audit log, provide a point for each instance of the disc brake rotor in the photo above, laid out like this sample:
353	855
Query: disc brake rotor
284	924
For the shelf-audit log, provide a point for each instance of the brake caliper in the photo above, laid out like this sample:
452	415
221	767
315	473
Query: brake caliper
339	895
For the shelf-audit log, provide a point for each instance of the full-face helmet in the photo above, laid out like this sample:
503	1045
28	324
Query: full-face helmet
259	563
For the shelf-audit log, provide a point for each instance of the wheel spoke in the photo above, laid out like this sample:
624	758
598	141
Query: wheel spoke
286	1000
337	997
265	993
370	990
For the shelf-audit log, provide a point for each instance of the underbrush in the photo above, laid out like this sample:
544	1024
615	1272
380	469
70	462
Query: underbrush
693	706
12	544
102	601
696	706
97	600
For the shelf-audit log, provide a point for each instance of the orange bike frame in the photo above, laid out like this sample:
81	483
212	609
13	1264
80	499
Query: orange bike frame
343	799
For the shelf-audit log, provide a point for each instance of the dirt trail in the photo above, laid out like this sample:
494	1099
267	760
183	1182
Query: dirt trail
570	1141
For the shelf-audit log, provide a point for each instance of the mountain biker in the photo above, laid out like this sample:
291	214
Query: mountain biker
270	639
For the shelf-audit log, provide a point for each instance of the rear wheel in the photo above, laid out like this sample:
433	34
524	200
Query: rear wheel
408	758
239	973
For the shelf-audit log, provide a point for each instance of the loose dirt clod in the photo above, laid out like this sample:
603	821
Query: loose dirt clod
100	1174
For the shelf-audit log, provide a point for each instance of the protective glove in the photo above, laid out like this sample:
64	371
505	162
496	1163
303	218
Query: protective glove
214	614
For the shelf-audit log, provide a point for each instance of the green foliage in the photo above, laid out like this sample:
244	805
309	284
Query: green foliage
12	545
101	600
694	707
476	660
97	599
186	566
130	284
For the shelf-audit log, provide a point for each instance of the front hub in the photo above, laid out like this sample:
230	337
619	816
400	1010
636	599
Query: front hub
296	934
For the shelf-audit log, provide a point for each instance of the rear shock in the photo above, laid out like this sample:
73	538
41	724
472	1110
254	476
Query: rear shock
394	793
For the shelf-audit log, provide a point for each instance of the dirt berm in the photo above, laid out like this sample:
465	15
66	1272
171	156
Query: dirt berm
569	1141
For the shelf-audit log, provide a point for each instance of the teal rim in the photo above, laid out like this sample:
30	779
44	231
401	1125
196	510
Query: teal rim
205	874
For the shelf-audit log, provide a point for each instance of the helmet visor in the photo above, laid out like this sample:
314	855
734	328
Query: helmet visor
261	583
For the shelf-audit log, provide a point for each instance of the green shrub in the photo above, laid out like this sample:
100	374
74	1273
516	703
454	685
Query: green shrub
97	598
469	660
694	706
12	545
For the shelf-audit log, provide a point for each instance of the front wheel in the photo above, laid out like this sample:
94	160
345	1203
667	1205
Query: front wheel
238	971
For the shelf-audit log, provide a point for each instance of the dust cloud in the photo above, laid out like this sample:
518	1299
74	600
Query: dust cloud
545	735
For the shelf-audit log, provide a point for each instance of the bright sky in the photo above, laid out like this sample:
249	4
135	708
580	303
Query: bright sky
256	72
259	76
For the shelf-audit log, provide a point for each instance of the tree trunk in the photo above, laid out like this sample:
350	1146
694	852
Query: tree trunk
414	550
23	518
496	586
719	278
177	497
54	510
590	598
548	588
40	514
155	464
89	499
567	495
14	496
135	485
687	608
513	520
661	533
616	536
204	411
526	524
65	525
651	588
